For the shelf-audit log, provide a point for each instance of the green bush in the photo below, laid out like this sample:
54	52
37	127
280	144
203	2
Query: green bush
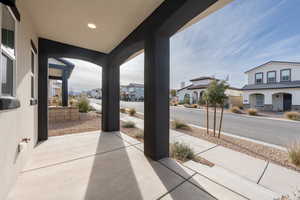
292	115
252	112
131	111
294	153
128	124
202	102
181	151
83	105
177	124
236	110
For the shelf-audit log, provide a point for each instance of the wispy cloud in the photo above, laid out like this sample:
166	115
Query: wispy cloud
241	35
85	76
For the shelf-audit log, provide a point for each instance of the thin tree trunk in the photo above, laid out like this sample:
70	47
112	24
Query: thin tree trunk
207	118
221	121
215	119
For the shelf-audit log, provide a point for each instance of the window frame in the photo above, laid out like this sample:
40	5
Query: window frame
262	78
9	101
33	93
290	77
12	57
274	77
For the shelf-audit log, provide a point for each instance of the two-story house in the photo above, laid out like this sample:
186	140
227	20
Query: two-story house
132	92
273	86
193	93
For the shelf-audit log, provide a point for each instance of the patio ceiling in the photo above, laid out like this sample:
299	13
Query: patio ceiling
66	20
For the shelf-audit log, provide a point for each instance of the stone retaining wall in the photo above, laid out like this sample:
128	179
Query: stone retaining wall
63	114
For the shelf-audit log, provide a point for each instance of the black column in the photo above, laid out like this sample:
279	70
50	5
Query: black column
65	92
111	97
43	96
157	75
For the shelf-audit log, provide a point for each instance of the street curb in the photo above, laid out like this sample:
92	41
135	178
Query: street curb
239	137
244	138
242	115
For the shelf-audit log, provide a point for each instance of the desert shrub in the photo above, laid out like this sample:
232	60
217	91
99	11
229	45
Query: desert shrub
181	151
252	112
128	124
295	196
72	102
294	153
83	105
139	134
235	110
122	110
181	102
194	106
202	102
131	111
177	124
292	115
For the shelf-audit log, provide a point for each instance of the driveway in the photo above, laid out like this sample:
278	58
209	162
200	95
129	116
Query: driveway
267	130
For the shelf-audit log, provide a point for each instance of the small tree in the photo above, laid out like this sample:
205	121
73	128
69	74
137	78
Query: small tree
221	98
173	92
206	99
215	95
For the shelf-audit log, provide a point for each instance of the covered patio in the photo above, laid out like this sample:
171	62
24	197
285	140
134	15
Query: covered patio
156	24
103	165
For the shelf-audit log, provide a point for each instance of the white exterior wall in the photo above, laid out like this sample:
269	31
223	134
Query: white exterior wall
228	92
21	122
295	71
295	92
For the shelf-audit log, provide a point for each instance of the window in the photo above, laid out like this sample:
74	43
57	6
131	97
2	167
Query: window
271	77
32	75
259	78
7	67
285	75
260	100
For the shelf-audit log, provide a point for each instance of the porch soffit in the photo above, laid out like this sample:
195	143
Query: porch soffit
66	20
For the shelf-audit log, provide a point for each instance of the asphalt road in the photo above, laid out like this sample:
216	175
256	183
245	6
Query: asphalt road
267	130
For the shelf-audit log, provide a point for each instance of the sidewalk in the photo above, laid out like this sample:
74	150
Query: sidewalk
241	173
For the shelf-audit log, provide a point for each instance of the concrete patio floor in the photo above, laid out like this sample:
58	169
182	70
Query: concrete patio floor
108	166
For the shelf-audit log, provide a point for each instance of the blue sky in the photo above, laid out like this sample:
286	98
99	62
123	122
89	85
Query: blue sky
242	35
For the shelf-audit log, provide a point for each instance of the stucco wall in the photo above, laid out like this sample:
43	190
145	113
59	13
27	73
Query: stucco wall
295	71
22	122
295	92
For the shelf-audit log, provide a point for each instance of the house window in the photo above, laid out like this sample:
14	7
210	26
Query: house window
259	78
285	75
7	67
271	77
260	100
32	74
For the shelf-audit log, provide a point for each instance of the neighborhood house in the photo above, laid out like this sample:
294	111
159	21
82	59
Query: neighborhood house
273	86
132	92
193	93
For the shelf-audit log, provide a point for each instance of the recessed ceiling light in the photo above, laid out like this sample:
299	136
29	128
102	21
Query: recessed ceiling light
92	26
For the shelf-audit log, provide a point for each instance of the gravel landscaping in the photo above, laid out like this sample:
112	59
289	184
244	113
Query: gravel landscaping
256	150
88	122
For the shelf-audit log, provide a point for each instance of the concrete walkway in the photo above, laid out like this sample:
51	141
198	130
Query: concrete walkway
93	166
255	174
